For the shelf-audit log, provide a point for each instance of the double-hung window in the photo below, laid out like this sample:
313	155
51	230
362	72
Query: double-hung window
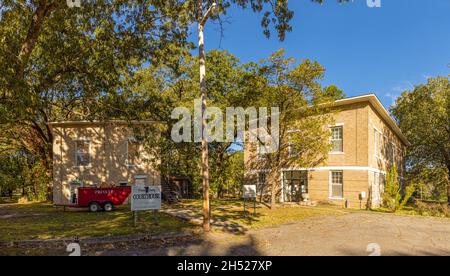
378	143
337	139
82	156
337	185
391	153
261	182
133	152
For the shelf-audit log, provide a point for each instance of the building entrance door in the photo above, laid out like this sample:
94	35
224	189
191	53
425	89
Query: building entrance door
295	183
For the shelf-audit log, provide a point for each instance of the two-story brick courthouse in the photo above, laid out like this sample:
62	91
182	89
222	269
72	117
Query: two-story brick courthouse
366	143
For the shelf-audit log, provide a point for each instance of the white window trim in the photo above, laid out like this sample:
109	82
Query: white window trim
331	139
128	156
330	196
89	153
291	155
336	125
260	155
392	153
376	138
144	176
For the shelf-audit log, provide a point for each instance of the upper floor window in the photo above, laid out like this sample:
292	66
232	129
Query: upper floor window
293	150
378	143
133	152
264	146
386	147
83	158
391	153
337	139
261	148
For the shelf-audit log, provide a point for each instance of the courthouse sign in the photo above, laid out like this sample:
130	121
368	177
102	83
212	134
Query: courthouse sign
145	198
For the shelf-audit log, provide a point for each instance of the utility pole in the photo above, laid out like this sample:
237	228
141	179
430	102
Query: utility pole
202	19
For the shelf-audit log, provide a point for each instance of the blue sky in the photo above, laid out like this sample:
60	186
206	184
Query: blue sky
365	50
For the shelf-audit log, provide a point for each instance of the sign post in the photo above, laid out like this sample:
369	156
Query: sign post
145	198
249	192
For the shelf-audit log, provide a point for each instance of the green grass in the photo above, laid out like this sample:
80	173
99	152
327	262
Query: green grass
43	221
232	212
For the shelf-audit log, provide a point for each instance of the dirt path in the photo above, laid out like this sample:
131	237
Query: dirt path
349	234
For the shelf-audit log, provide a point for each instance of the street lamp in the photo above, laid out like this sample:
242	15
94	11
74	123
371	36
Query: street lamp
202	19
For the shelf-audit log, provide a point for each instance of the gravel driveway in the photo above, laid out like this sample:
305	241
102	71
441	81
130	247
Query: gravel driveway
349	234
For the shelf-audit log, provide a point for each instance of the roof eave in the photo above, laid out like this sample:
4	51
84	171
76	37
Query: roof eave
376	103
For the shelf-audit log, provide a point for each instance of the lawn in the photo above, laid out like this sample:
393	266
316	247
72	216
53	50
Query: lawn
43	221
232	213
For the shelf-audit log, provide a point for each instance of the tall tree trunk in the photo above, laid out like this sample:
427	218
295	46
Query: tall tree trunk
43	9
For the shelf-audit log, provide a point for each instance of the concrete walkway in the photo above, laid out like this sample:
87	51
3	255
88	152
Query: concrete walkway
358	234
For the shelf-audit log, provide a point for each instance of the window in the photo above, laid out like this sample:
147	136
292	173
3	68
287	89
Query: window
337	185
82	156
293	149
261	182
295	184
264	148
385	148
140	180
337	139
133	149
377	143
391	153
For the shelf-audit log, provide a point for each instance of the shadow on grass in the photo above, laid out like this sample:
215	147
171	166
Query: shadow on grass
198	246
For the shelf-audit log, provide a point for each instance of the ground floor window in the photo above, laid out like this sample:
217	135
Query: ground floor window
337	185
261	182
295	183
140	181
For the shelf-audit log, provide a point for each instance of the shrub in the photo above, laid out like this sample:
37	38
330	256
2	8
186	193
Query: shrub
396	196
432	209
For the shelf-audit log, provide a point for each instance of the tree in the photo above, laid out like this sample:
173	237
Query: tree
304	111
424	117
58	63
61	63
396	196
230	84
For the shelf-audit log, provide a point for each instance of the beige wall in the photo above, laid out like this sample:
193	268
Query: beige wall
355	182
108	152
354	121
382	162
357	162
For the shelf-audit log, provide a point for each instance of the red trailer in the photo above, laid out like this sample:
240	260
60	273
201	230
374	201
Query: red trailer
100	198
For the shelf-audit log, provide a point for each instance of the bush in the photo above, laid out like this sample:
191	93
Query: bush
396	197
434	209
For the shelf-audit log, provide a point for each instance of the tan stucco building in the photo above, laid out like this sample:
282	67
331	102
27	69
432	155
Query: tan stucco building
95	154
366	142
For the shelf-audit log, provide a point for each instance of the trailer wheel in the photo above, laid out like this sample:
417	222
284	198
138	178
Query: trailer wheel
94	207
108	207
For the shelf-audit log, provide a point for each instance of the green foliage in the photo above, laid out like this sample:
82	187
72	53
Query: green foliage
304	110
23	174
424	117
230	83
229	177
431	183
396	196
58	63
